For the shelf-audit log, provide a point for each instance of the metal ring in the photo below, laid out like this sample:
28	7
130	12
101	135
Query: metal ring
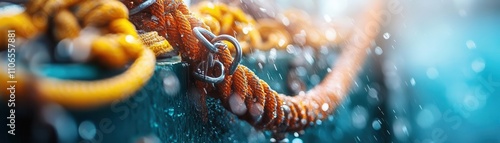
141	7
236	44
202	34
209	79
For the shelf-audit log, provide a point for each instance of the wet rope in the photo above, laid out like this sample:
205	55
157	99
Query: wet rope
243	93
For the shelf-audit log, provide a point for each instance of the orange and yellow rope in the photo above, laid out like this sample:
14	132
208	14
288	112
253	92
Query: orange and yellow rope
258	104
114	46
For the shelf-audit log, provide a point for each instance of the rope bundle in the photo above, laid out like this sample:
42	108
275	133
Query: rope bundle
242	93
112	43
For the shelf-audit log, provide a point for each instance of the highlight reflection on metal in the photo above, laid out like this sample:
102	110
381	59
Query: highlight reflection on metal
212	42
142	6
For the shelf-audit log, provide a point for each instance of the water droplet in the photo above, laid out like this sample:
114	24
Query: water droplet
256	111
64	50
262	9
247	29
256	136
237	104
319	122
331	34
425	118
296	134
412	81
470	44
327	18
154	18
11	9
387	35
87	130
359	115
260	56
372	92
478	65
281	42
325	107
285	21
149	139
300	38
297	140
376	124
400	129
170	111
290	49
81	50
432	73
273	54
301	71
309	58
303	121
315	79
171	84
378	50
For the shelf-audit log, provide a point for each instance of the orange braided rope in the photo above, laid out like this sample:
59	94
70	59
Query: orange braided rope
255	102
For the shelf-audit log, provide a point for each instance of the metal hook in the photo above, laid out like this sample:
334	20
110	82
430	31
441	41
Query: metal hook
212	43
141	7
202	35
202	76
236	44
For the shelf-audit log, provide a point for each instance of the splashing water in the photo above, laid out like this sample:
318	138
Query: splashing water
387	35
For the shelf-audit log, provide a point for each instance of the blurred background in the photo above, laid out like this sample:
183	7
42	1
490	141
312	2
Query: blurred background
434	70
431	76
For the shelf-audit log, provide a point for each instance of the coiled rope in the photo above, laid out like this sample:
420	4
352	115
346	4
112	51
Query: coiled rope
113	46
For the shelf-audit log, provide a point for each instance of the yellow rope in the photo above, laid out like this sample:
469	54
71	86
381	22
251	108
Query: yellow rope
155	42
114	46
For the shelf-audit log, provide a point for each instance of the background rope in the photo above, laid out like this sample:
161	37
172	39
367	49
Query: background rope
113	44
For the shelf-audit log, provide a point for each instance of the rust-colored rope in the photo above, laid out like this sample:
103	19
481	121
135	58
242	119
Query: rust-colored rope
249	97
